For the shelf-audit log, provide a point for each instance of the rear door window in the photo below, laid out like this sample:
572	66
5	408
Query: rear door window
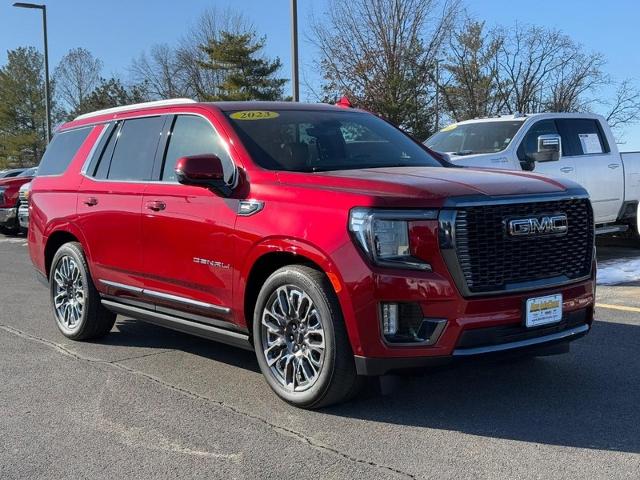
134	150
61	150
582	136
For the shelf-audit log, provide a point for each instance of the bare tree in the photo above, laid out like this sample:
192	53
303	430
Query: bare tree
528	58
382	53
625	107
577	77
161	72
473	87
76	76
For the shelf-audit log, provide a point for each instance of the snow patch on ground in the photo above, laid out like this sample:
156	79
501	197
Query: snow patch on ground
612	272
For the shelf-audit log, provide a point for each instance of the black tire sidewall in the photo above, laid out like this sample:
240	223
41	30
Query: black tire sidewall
78	257
318	294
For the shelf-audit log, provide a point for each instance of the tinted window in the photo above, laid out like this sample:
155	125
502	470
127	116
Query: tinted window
61	150
316	140
471	138
581	136
135	149
193	135
529	144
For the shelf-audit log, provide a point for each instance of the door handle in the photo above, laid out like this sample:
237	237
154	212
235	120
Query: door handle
613	166
156	205
90	202
566	169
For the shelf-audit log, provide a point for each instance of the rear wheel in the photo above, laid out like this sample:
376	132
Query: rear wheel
301	341
74	298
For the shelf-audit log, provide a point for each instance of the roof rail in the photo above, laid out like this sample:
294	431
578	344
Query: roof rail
136	106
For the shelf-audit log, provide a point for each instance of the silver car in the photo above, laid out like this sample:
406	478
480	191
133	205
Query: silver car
23	205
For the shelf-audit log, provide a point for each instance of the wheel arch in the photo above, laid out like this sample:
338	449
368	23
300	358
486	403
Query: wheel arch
58	237
273	254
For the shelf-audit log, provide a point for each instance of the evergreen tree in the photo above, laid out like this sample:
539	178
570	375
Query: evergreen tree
22	108
111	93
246	75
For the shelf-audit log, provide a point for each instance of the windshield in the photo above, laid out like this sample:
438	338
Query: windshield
470	138
317	140
9	173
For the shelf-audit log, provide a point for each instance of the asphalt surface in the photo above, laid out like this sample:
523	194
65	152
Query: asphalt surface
146	402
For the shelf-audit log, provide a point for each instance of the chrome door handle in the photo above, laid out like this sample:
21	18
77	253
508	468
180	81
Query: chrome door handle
613	166
566	169
156	205
90	202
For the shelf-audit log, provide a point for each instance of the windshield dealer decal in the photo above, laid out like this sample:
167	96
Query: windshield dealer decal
254	115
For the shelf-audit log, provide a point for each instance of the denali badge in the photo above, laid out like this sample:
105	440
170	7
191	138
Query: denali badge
545	225
211	263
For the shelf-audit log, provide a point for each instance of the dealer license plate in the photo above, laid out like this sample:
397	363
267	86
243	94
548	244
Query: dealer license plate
544	310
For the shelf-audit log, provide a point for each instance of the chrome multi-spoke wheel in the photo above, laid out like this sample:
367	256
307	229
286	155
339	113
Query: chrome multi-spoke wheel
300	338
68	294
293	338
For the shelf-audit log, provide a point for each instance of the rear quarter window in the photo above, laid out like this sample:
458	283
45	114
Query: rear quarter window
61	150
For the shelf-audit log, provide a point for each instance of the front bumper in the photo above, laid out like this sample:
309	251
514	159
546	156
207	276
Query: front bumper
549	344
7	215
23	215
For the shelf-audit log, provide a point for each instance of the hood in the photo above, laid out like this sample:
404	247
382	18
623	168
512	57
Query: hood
429	183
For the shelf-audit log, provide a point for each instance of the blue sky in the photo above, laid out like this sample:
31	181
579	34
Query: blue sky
119	30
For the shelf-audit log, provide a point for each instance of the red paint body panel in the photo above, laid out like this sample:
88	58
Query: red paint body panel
197	247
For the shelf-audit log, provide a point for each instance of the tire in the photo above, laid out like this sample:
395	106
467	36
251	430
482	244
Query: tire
10	229
75	301
314	319
634	228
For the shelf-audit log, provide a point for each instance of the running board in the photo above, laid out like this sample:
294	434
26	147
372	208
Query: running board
209	332
612	229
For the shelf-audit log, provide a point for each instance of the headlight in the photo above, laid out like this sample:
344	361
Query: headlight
2	189
383	235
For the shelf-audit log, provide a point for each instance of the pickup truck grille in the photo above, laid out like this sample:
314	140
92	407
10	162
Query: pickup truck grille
493	261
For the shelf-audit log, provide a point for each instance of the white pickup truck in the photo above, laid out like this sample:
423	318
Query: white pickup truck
572	146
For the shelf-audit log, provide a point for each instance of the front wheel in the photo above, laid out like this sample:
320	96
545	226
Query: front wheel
300	339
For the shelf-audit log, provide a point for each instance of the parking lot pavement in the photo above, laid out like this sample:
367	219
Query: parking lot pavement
151	403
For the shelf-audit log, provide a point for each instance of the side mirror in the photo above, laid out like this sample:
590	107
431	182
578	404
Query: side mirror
204	171
549	148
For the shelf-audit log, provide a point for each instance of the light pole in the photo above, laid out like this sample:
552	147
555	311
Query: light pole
294	51
437	95
47	91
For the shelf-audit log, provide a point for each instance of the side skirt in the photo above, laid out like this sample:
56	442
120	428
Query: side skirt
209	332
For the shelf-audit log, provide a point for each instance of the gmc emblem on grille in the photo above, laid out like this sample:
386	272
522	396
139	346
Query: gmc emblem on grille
544	225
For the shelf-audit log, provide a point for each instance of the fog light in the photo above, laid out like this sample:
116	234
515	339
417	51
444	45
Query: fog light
404	324
389	319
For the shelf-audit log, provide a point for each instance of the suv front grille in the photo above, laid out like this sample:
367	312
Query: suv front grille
491	260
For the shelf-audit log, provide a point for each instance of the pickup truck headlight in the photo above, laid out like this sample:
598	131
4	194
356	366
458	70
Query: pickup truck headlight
383	235
2	189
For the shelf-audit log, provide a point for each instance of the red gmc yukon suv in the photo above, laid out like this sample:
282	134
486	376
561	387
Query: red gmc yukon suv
323	238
